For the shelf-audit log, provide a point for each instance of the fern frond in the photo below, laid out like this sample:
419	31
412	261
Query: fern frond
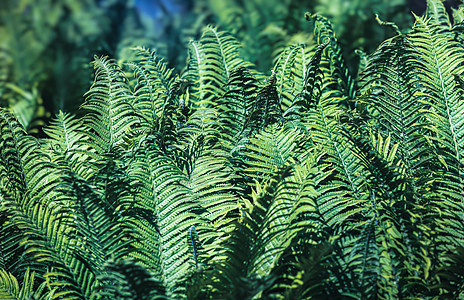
208	168
102	224
67	142
211	62
217	187
11	250
13	144
36	214
458	15
266	108
285	68
338	69
39	253
328	135
235	274
154	81
278	228
403	226
10	289
440	59
228	48
271	149
437	13
391	98
165	193
108	105
308	82
236	104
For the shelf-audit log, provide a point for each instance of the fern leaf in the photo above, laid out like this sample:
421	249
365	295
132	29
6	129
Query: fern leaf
440	57
211	61
101	223
309	83
174	211
235	271
285	68
39	253
235	105
271	149
338	69
154	81
67	142
110	114
266	108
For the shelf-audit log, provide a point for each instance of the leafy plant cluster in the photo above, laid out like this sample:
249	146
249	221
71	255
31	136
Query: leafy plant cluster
224	183
268	28
46	45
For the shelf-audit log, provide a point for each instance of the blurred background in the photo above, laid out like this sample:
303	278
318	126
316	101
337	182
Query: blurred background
46	46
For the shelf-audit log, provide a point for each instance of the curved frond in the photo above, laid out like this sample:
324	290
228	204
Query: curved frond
307	80
211	62
67	142
266	108
163	243
236	104
154	81
108	105
338	70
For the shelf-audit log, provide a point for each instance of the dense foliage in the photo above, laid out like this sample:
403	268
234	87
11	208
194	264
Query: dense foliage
46	45
225	183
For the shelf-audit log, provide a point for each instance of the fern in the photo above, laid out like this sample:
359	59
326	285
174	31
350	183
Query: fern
338	70
65	145
234	275
107	104
265	109
223	182
271	149
153	84
236	104
211	61
26	196
422	113
172	209
440	93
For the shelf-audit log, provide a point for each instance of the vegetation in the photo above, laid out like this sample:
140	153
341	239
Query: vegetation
224	182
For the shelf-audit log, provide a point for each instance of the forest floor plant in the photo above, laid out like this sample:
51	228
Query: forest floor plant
224	183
